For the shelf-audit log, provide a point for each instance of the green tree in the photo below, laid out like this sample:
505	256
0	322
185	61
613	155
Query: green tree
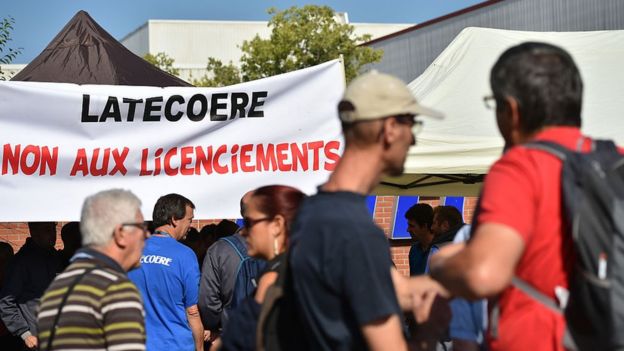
301	37
162	61
6	54
221	75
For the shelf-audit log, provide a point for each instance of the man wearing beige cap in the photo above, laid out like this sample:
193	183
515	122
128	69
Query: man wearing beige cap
340	260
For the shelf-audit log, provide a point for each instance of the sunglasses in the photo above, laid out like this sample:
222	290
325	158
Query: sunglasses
410	120
141	225
249	222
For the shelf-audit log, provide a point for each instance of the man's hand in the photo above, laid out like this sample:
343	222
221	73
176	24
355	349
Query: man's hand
31	342
206	335
432	307
433	315
410	291
216	344
423	284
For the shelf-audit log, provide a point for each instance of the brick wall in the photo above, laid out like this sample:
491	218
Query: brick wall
16	233
384	215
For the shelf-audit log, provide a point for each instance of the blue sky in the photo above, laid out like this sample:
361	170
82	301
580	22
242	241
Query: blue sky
38	21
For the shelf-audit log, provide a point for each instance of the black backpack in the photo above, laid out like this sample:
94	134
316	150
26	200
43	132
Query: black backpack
280	327
593	202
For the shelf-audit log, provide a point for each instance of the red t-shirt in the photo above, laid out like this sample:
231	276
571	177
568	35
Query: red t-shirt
523	191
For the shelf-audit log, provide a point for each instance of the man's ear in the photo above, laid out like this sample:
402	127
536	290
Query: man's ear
120	236
515	118
390	131
173	222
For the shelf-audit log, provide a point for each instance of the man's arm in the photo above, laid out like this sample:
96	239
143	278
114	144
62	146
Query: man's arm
9	311
191	297
384	334
484	267
192	314
210	303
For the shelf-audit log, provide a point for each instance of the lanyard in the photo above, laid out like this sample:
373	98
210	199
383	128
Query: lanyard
161	233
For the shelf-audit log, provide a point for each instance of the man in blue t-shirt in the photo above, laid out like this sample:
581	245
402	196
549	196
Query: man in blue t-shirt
340	260
168	280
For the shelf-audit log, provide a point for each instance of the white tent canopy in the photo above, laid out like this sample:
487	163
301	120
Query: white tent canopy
467	141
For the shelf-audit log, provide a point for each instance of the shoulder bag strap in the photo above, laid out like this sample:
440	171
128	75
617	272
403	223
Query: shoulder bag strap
62	304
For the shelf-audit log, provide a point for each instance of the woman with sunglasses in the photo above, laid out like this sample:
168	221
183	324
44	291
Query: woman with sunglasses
267	218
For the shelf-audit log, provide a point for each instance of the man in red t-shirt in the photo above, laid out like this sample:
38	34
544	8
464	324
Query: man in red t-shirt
519	231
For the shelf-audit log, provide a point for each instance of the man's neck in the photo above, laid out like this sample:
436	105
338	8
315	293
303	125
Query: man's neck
358	171
115	254
426	244
166	230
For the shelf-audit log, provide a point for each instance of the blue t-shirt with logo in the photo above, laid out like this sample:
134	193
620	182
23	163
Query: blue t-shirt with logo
168	280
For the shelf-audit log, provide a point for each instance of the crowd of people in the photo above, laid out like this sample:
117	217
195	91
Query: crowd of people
315	272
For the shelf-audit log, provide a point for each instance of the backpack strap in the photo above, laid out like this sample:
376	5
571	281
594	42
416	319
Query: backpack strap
550	147
547	302
236	244
537	295
562	152
241	250
70	289
528	289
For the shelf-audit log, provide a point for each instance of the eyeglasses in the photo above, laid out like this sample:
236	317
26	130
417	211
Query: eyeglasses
141	225
489	102
417	125
248	222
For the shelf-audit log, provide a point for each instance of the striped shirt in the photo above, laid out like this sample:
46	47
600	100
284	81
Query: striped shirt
103	312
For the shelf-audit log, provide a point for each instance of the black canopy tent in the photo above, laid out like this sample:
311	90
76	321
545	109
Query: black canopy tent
84	53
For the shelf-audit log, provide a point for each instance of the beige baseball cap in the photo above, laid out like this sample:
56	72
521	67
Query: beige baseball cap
375	95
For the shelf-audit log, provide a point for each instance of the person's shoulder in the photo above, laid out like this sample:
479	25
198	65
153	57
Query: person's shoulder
99	276
220	243
108	272
518	161
223	246
121	282
179	248
332	207
186	253
25	252
519	153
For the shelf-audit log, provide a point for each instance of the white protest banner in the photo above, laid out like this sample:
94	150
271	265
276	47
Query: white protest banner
62	142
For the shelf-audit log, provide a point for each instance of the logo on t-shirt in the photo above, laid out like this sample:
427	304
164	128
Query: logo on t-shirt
155	259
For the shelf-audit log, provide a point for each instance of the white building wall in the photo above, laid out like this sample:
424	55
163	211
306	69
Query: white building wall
191	43
8	71
139	40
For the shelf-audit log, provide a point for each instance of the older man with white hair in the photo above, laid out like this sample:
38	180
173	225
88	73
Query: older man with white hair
92	304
